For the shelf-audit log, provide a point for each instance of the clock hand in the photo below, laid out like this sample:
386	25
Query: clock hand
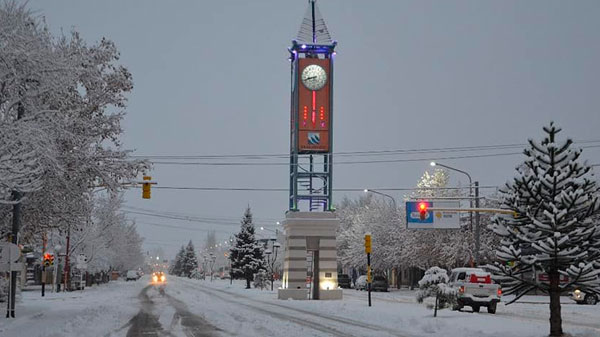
310	78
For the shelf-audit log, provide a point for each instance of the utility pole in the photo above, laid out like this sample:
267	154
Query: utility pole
477	229
16	224
44	242
368	251
67	267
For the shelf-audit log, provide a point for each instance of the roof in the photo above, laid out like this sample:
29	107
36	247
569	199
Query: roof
313	28
467	270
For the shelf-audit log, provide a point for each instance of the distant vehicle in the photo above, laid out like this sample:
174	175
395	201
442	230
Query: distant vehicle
584	298
344	281
361	283
380	283
475	289
132	275
159	278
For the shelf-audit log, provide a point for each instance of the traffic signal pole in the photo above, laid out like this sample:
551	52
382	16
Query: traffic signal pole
369	275
477	229
368	251
44	242
16	224
67	267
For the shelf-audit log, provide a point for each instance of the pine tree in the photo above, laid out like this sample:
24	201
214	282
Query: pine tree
189	262
553	231
176	268
247	256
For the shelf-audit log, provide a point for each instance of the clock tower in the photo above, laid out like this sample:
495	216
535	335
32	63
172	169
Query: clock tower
311	160
310	264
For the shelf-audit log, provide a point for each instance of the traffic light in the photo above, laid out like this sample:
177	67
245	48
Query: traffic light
368	243
146	187
48	259
423	206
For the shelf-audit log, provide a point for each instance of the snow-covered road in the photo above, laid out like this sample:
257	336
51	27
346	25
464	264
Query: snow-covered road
192	308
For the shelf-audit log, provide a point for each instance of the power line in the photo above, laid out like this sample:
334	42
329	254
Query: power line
356	153
191	219
250	189
194	216
181	227
385	161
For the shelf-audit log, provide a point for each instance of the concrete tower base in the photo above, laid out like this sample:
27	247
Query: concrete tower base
310	250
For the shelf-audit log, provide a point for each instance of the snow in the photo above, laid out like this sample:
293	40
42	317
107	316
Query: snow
106	310
95	311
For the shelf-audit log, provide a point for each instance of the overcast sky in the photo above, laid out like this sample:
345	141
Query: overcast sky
212	78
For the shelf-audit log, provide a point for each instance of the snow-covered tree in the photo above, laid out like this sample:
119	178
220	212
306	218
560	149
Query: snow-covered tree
434	284
108	238
61	104
176	266
261	280
247	255
555	200
189	262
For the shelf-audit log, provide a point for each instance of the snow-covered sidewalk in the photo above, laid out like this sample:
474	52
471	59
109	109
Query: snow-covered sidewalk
95	311
252	312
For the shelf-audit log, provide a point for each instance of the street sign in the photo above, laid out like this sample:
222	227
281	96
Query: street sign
9	249
432	219
81	258
82	261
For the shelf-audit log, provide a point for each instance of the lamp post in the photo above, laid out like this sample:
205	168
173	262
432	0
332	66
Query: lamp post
471	184
213	258
268	253
276	246
368	190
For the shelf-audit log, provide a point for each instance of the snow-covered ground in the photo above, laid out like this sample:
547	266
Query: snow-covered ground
204	308
95	311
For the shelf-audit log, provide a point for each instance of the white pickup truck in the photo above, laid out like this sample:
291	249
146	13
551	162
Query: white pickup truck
475	288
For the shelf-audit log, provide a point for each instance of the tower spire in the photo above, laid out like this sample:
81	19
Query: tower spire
313	28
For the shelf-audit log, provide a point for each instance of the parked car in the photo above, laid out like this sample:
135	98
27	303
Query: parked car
475	288
584	298
344	281
132	275
361	283
380	283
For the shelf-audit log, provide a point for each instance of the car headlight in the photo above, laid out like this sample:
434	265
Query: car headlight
155	278
162	278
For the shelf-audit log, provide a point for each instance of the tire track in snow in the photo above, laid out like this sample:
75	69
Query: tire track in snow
145	323
310	324
276	314
193	325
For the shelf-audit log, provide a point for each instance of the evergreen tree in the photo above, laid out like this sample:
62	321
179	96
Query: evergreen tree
247	256
189	262
553	231
176	267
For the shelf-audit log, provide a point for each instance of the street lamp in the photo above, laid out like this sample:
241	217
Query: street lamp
476	184
368	190
204	266
276	231
213	258
271	262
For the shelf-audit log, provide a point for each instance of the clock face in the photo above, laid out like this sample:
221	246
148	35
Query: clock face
314	77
